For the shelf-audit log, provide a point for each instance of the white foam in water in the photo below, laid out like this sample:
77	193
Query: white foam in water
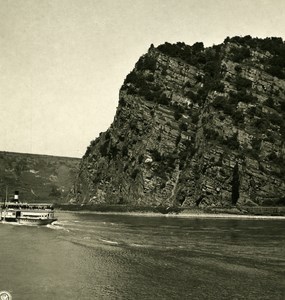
56	226
109	242
63	223
53	226
137	245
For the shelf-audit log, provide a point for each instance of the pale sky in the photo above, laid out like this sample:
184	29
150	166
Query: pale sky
62	62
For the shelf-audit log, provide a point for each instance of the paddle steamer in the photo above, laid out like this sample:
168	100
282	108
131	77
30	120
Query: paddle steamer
27	213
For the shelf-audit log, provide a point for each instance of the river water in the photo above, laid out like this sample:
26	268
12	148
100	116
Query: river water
101	256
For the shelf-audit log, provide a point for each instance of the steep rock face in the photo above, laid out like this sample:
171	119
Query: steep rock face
195	126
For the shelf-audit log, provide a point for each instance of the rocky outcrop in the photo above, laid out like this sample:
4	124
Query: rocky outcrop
195	126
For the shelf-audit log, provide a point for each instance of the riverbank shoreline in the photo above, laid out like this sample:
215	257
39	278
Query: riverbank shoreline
219	213
183	215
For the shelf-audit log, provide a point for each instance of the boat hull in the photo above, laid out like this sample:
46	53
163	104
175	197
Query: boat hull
36	221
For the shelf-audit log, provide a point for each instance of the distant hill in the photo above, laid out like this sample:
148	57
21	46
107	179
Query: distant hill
38	178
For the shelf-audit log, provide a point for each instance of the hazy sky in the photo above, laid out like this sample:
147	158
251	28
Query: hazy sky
62	62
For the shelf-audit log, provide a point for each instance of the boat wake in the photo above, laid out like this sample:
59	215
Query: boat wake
109	242
57	226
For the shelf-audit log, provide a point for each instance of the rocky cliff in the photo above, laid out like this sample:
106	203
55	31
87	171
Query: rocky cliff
194	126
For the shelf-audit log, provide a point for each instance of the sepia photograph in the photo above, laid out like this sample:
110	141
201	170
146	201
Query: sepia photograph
142	149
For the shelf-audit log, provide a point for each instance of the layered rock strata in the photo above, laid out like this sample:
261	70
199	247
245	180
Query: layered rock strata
194	126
